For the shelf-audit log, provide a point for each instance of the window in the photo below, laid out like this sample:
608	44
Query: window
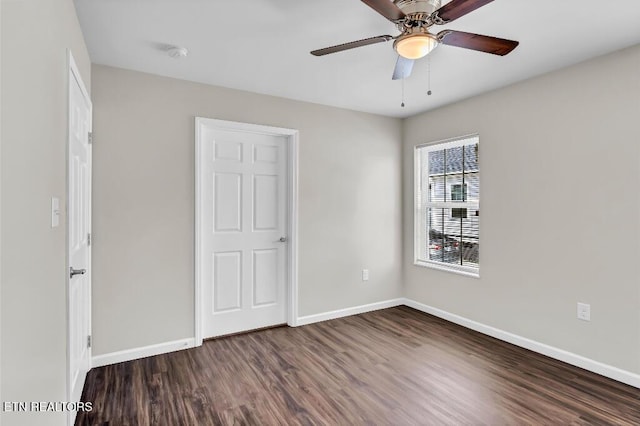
459	213
447	209
457	192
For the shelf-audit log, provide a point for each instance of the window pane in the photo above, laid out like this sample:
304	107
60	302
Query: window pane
437	178
452	238
471	177
470	244
444	236
471	157
453	166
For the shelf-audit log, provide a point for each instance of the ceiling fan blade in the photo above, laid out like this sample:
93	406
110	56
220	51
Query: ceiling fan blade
403	68
457	8
482	43
387	9
351	45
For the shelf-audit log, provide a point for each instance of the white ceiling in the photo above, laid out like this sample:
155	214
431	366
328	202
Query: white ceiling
263	46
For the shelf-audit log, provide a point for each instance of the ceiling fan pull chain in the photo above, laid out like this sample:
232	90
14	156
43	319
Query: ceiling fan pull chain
429	76
402	104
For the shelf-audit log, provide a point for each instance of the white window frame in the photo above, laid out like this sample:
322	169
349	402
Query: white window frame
421	205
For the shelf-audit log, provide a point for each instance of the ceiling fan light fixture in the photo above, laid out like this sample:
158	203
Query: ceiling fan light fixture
416	45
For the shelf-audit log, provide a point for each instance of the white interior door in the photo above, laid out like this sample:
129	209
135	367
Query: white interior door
78	229
243	230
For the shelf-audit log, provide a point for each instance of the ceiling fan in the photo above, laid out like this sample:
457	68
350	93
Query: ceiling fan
414	18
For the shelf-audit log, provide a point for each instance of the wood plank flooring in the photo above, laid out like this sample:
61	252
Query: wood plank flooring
396	366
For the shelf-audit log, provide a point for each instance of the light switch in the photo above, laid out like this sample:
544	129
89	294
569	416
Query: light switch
55	212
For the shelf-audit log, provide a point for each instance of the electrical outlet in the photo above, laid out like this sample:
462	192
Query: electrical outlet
584	311
365	275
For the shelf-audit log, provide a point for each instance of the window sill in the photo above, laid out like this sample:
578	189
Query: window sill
460	270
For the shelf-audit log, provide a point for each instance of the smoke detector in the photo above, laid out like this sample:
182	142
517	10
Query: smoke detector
177	52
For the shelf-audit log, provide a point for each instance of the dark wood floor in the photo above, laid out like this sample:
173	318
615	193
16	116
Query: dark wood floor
392	367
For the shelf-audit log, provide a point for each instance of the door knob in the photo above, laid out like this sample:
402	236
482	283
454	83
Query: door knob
283	239
73	272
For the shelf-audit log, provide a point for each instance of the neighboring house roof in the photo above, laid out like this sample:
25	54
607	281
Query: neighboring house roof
454	160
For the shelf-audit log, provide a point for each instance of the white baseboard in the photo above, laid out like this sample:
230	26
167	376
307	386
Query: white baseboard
143	352
544	349
597	367
310	319
162	348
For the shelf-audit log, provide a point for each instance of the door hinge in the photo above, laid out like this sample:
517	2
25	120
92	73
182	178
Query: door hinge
90	138
88	341
89	239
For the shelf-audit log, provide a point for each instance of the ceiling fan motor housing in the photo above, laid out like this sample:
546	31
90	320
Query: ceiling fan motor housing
418	14
410	7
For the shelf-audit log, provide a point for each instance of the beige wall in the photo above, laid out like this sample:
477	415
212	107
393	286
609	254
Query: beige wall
143	253
35	38
560	222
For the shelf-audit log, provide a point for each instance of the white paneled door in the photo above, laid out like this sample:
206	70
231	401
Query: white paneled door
78	234
243	229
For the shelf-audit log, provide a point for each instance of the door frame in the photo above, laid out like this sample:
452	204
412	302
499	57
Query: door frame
74	74
292	142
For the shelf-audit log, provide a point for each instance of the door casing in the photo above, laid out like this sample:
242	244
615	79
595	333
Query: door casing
291	137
